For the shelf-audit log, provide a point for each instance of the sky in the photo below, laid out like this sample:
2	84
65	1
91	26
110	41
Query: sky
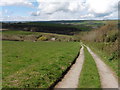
46	10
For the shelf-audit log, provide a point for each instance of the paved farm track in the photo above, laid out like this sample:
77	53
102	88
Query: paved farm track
71	79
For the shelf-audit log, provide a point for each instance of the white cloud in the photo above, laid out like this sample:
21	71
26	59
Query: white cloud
76	8
102	8
0	14
15	2
59	8
52	7
69	9
88	16
60	0
113	15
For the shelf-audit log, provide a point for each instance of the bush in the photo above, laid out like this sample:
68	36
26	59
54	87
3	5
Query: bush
42	38
108	39
114	56
113	38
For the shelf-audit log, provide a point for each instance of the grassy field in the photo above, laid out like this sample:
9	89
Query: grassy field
103	50
89	77
18	32
17	35
35	64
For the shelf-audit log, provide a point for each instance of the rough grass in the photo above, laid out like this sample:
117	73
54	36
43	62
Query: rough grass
35	64
89	77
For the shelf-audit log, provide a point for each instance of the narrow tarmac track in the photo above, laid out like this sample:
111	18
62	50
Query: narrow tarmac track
107	78
71	79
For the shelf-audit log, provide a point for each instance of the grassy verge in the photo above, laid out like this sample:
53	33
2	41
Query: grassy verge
103	51
35	64
89	77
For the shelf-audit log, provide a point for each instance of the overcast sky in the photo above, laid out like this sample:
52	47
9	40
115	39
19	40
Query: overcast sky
39	10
